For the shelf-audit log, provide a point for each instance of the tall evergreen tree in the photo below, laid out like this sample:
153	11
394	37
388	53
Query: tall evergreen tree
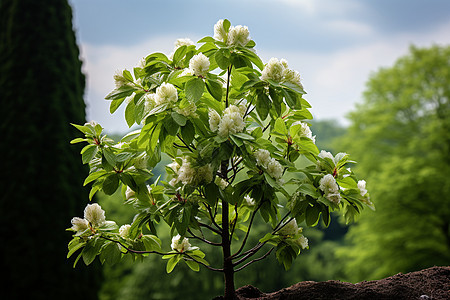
41	92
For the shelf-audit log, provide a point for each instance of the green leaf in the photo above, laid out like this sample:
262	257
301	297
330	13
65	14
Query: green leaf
172	262
211	193
90	251
110	254
222	58
151	242
215	89
292	100
280	127
74	245
130	113
111	184
263	105
188	132
312	215
194	89
94	176
121	92
88	153
179	119
194	266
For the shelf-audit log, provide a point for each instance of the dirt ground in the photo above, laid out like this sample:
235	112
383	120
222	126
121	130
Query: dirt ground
432	283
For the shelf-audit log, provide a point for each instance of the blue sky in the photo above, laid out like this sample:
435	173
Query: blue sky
335	45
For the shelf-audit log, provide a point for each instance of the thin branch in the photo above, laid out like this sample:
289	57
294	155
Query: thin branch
248	231
202	239
187	146
235	222
210	228
249	253
131	250
255	260
202	263
212	216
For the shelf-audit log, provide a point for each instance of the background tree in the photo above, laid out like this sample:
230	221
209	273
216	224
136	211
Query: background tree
401	137
41	92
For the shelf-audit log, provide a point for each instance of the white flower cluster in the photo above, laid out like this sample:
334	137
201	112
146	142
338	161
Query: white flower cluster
330	188
124	230
362	187
278	70
178	43
187	174
249	201
335	159
221	183
231	122
199	65
236	36
166	93
291	229
271	165
94	216
119	80
187	109
305	131
181	245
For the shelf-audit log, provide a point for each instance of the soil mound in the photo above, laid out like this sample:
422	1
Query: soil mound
432	283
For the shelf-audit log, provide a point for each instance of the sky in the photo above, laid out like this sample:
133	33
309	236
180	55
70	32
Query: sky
335	45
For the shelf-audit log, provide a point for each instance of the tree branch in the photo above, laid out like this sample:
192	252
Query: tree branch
248	231
202	239
255	260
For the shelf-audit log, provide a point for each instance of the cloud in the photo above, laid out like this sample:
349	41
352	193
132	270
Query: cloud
334	79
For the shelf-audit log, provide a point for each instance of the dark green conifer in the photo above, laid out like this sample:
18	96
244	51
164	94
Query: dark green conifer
41	92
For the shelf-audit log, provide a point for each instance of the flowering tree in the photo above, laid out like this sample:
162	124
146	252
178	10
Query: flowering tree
235	131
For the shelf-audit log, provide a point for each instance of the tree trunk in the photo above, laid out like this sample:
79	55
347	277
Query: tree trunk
228	269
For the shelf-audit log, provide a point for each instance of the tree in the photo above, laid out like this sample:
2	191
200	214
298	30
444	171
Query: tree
240	148
41	92
401	137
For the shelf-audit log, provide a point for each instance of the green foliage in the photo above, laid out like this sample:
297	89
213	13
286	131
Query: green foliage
235	131
400	135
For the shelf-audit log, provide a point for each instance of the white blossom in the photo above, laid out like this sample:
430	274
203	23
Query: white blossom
129	193
187	109
273	70
289	229
275	169
262	157
221	183
166	93
305	131
238	36
220	33
95	215
302	241
214	120
249	200
119	80
362	187
278	70
199	65
149	101
183	42
187	174
124	230
330	188
180	245
79	225
231	122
